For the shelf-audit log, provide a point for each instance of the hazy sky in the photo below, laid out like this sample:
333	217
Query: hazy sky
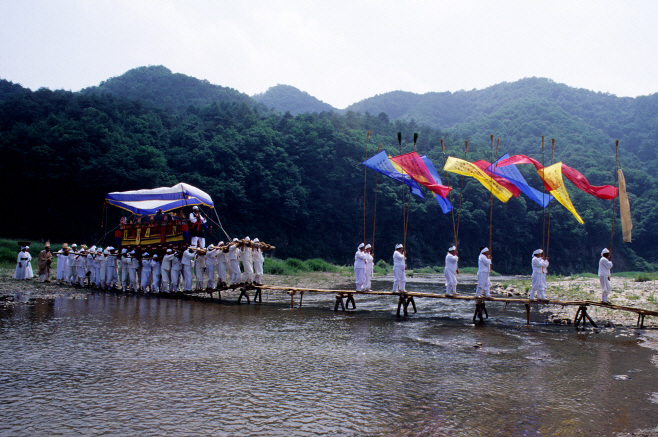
338	51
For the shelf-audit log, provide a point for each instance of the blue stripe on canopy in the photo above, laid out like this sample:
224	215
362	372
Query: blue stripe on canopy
383	165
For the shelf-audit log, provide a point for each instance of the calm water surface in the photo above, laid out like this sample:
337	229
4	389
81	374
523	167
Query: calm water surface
134	365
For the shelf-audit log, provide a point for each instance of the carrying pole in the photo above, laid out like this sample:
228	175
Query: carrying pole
365	175
612	230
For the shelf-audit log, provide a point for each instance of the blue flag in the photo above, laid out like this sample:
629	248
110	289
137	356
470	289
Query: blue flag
383	165
443	203
512	174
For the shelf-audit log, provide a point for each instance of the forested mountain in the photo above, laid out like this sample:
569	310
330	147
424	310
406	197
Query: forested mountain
297	182
288	98
159	87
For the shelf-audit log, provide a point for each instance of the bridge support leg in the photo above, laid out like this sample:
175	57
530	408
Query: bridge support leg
640	320
350	298
258	295
410	300
339	302
401	303
480	307
301	297
581	314
243	292
527	314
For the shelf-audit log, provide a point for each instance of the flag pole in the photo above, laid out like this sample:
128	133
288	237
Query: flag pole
365	175
548	233
491	196
543	211
406	223
612	230
374	213
452	209
402	168
459	211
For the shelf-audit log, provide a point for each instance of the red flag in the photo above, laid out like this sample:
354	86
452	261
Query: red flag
580	181
413	165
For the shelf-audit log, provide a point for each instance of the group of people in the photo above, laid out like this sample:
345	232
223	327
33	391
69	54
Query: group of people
363	261
240	261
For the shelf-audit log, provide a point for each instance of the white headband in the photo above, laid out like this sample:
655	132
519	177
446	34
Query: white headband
486	249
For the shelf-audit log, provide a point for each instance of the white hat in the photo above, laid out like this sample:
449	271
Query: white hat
27	247
132	252
451	248
124	251
604	251
398	246
486	249
155	255
211	247
195	207
247	239
220	243
537	252
22	247
361	245
169	250
93	248
368	246
256	240
145	254
74	245
235	239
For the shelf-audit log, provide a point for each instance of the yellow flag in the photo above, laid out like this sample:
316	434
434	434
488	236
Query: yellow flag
624	208
459	166
552	177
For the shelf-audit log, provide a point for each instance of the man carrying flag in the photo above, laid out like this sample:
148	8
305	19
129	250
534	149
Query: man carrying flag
484	268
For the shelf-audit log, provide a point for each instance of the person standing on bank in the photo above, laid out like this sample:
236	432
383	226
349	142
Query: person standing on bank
44	261
484	269
399	266
605	264
451	270
539	265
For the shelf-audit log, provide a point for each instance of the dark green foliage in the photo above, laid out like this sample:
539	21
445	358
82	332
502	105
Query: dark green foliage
286	98
296	181
8	256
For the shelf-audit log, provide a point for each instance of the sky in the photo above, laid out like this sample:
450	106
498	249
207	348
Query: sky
338	51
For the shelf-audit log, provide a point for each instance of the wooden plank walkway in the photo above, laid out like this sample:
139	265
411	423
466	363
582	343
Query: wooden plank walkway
345	297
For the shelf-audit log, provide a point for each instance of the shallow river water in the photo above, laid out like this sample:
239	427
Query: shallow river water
113	364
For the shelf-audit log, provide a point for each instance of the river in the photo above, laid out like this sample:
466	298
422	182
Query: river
112	364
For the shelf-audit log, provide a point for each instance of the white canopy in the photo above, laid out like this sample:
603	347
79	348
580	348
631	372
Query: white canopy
165	198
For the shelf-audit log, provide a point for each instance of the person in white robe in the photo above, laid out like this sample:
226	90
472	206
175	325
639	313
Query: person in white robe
539	266
247	263
259	260
101	273
22	261
91	268
146	272
199	269
133	268
451	271
155	274
125	270
211	265
222	263
111	275
72	269
399	266
81	265
196	229
29	272
176	268
62	263
166	270
96	265
605	264
484	269
369	266
233	256
360	259
187	263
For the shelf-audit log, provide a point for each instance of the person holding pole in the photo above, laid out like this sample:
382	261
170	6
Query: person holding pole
484	268
360	260
369	265
605	264
399	266
451	270
539	265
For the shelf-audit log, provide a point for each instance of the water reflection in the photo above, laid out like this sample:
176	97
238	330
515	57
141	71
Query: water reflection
131	365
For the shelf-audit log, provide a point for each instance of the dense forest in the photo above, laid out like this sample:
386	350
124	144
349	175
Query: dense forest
297	181
287	98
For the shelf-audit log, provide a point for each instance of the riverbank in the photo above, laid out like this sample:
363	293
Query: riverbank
626	291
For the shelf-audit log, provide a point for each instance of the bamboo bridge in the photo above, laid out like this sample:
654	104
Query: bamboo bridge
346	297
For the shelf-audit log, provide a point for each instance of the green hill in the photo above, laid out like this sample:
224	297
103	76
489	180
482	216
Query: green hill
286	98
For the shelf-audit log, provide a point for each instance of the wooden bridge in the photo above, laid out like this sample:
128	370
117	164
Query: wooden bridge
345	297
